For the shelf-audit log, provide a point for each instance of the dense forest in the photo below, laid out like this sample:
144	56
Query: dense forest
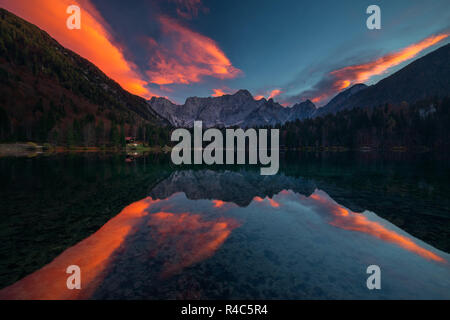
422	126
51	94
425	124
79	131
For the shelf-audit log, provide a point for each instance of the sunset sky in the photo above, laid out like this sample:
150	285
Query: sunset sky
290	50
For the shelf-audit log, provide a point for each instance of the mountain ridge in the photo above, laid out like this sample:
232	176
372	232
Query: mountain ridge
422	78
425	77
238	109
50	93
47	88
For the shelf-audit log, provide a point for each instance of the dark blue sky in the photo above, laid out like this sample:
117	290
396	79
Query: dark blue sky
287	45
291	48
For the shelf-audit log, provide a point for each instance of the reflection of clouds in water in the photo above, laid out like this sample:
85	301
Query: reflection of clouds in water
267	200
190	237
91	255
349	220
218	203
184	232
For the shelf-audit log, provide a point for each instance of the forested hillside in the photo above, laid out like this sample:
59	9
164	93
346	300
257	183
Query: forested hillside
422	124
51	94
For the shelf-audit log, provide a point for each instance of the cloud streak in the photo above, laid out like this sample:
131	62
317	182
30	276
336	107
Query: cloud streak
218	93
342	78
221	91
93	42
270	95
185	56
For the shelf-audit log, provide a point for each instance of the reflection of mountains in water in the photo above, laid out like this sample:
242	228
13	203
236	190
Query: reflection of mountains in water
239	187
379	195
175	248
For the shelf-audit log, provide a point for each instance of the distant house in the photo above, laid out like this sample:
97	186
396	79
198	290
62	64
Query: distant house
129	140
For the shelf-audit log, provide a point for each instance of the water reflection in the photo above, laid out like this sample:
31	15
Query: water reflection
92	255
188	237
348	220
191	241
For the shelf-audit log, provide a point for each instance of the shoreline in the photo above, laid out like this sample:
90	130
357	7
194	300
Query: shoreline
30	149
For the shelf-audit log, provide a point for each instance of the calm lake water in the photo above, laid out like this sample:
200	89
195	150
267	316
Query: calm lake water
140	228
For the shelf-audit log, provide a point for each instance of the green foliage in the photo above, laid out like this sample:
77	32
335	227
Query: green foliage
39	106
122	142
422	124
70	137
114	136
100	133
5	125
4	75
25	45
77	134
46	123
83	101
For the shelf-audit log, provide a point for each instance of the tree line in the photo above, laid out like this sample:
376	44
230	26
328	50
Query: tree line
88	130
422	124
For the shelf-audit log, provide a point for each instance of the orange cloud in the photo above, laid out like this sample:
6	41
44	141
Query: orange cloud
273	203
274	93
221	92
191	238
349	220
319	98
270	95
363	72
344	77
217	93
186	57
218	203
93	41
92	255
270	201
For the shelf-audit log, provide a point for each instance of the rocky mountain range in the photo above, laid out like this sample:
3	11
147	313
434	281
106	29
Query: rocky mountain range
242	186
239	109
239	187
423	78
426	77
46	88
